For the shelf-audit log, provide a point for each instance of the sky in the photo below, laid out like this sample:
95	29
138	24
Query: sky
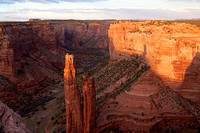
23	10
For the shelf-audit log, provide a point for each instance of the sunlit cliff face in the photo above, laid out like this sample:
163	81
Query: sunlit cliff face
169	47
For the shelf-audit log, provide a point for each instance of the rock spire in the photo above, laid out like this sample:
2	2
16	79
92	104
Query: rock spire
79	118
89	105
72	98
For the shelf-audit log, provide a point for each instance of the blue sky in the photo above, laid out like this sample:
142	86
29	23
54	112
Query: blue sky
22	10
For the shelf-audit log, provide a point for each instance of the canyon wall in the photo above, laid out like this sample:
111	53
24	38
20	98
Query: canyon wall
134	97
168	46
172	50
23	40
32	54
81	36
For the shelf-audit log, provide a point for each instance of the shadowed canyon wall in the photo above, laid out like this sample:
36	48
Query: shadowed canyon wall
19	41
169	48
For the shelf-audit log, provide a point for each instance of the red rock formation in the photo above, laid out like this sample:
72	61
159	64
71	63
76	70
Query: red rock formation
169	47
89	105
34	19
10	122
72	98
32	54
74	111
38	40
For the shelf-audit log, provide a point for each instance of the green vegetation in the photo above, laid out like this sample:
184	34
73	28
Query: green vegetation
159	23
110	73
138	31
123	87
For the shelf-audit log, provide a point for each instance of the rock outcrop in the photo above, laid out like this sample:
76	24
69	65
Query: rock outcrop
79	118
89	105
169	48
10	122
72	98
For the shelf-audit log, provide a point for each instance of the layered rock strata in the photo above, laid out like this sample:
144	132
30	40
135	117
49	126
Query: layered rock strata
26	40
172	49
11	122
168	46
32	54
79	118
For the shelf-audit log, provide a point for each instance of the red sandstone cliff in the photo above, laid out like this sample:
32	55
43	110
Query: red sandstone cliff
20	41
170	48
32	54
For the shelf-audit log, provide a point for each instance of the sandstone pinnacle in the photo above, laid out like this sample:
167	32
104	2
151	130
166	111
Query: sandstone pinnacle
89	105
72	98
79	118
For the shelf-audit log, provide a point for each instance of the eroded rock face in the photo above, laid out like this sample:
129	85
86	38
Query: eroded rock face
10	122
72	98
6	60
20	41
89	105
172	49
81	36
169	47
32	54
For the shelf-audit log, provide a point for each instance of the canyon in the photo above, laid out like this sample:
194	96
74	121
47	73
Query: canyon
152	78
150	83
32	55
172	50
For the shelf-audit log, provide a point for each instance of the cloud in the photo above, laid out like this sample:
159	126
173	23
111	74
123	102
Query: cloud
24	14
45	1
